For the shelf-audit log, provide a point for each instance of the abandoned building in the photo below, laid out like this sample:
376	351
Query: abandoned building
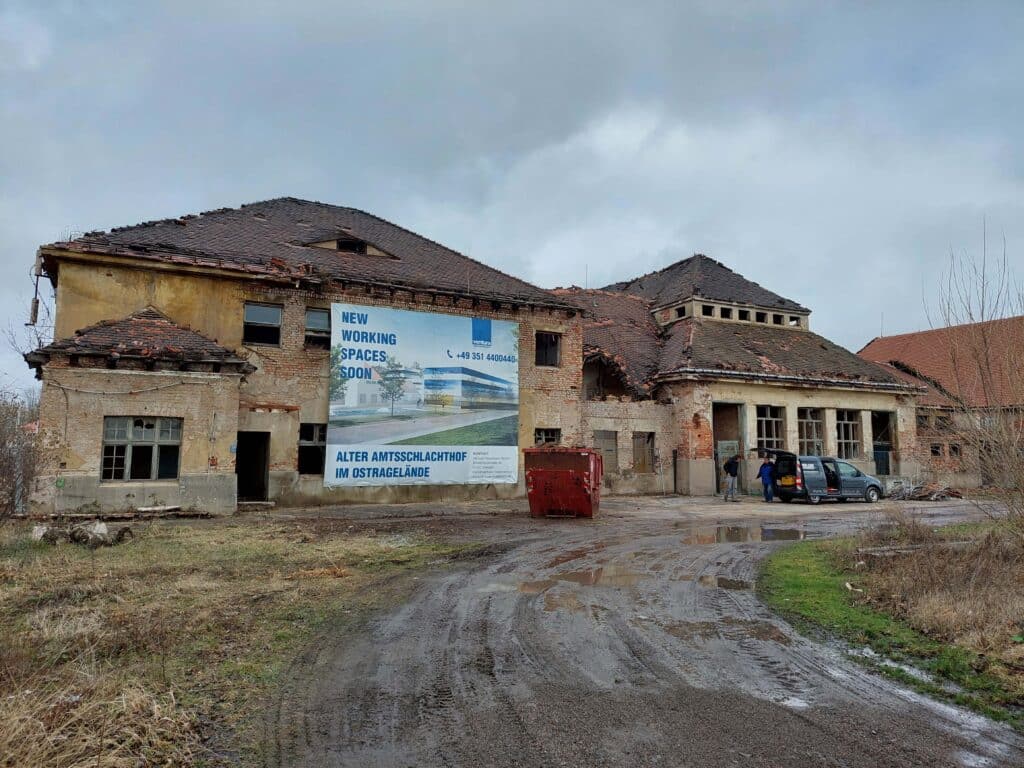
970	384
194	365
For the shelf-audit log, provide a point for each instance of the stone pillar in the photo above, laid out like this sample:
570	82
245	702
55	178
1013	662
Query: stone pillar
867	443
792	429
831	442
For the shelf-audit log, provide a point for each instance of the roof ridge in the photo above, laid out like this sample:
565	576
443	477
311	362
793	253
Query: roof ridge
947	328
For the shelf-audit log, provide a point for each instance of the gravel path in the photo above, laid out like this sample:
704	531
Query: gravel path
631	640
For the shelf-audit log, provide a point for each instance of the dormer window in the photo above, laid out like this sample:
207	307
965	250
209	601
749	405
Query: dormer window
744	315
681	311
726	313
777	319
707	310
761	317
345	243
794	321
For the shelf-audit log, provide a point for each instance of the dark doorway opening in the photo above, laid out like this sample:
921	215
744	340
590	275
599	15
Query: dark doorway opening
726	430
884	445
252	465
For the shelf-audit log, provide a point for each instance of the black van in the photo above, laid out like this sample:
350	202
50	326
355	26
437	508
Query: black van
821	477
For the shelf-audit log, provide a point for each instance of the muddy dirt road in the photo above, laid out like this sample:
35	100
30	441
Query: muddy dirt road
632	640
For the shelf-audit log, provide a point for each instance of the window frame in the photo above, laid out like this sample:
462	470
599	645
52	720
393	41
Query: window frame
810	431
646	441
317	338
545	433
606	442
743	315
707	310
317	441
129	442
771	427
848	434
556	337
257	324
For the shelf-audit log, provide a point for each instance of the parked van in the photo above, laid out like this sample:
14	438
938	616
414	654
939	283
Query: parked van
821	477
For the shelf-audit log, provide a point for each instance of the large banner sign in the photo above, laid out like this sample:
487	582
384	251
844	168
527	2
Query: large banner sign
421	398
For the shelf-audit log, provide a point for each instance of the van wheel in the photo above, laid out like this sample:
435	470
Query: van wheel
871	495
813	499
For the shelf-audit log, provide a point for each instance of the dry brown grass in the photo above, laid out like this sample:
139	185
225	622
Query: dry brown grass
963	585
146	653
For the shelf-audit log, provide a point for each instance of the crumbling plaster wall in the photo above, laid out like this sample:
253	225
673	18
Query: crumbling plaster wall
625	416
290	384
73	402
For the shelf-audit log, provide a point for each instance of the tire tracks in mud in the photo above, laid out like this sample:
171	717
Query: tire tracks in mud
604	645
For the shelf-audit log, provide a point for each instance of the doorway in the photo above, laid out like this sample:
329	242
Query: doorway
252	465
884	444
726	431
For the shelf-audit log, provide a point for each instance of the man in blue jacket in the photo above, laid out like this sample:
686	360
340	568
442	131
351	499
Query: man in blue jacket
767	475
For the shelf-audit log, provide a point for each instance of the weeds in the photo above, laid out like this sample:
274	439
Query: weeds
143	653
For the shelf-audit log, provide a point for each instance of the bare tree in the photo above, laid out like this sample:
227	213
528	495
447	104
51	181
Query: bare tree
18	452
981	303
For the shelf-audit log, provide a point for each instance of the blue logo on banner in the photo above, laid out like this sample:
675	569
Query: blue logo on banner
481	332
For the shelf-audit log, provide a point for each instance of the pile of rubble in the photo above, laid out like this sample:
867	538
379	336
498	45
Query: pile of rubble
92	535
924	492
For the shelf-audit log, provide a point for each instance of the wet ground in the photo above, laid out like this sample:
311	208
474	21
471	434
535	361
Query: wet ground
634	639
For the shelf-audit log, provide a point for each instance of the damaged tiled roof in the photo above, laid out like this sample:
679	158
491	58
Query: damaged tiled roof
702	276
618	328
976	363
932	397
147	334
709	345
273	239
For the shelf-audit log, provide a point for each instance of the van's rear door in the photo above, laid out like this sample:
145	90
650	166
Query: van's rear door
786	469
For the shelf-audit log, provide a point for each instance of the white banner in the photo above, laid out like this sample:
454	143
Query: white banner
421	398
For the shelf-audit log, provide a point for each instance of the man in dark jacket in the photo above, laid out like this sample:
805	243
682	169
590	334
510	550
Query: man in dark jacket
732	469
767	475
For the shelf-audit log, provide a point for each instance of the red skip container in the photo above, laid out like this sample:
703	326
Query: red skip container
563	482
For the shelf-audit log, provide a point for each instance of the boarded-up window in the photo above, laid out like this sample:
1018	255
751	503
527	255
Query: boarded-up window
607	442
643	451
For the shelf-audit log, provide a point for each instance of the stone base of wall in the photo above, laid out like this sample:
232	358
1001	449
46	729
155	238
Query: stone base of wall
293	489
212	492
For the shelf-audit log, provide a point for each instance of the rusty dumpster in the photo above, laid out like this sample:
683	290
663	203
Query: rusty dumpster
563	482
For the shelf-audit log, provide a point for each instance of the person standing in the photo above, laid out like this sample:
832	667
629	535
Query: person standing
767	475
732	469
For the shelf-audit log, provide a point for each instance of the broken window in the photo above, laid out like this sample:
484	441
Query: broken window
848	434
777	319
954	451
744	315
140	448
936	450
548	351
924	421
771	431
643	452
944	421
707	310
350	244
681	311
547	436
761	317
726	313
794	321
262	324
312	448
811	431
318	328
607	443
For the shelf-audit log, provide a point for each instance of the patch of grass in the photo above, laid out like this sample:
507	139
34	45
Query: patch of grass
503	431
151	651
355	421
806	582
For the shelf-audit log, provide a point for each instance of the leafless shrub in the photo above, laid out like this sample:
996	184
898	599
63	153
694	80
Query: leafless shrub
986	357
18	452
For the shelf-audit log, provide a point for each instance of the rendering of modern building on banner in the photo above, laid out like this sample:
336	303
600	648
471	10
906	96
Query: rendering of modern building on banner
300	352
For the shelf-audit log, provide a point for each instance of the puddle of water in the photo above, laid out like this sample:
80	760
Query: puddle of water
575	554
567	600
606	576
794	703
536	587
739	534
724	582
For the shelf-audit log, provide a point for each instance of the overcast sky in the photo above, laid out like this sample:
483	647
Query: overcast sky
834	153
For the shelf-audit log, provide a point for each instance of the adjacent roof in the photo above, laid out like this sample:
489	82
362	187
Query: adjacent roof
147	335
976	364
702	276
273	239
618	328
698	346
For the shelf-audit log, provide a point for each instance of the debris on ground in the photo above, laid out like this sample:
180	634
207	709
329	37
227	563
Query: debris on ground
94	535
924	492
